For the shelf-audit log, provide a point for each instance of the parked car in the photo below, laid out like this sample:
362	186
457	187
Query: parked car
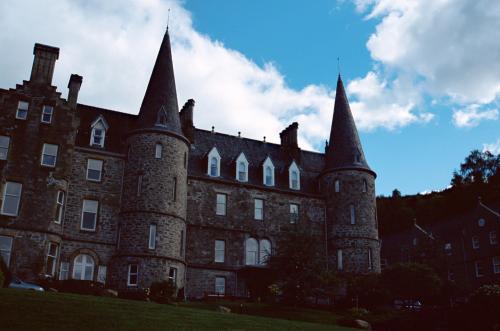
407	304
22	285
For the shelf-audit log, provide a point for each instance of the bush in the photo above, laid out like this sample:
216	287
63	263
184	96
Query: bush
162	291
134	294
77	286
4	270
484	307
2	278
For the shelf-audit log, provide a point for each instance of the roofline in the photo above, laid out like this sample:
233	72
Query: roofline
106	110
489	209
326	171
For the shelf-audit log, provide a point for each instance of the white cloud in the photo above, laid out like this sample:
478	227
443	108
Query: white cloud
493	148
472	115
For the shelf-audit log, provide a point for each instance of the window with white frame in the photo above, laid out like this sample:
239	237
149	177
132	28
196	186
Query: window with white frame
101	274
22	110
352	212
47	112
251	250
158	150
496	265
83	267
294	176
51	261
221	204
242	168
64	271
133	275
219	251
94	170
493	238
475	242
258	209
268	171
89	215
479	268
447	249
264	251
59	207
294	213
98	132
49	155
172	275
213	163
340	262
11	198
152	236
337	185
5	249
220	285
4	147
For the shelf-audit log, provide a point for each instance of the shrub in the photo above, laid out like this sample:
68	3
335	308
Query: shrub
484	307
78	286
7	276
1	278
134	294
162	291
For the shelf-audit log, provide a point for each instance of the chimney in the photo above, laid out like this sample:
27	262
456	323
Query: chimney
186	116
43	63
289	136
75	81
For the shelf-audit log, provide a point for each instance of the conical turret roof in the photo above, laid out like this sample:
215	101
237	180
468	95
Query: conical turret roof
344	150
159	109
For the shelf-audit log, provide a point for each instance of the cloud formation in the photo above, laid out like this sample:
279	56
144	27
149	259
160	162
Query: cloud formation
472	115
493	148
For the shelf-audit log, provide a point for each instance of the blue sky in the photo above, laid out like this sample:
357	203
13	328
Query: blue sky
422	76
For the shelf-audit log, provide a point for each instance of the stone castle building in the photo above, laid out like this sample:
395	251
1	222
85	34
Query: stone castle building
94	194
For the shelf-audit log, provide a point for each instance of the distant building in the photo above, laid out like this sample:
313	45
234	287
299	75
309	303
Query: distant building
94	194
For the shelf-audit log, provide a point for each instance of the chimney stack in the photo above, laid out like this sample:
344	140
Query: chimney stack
44	63
186	117
289	136
75	82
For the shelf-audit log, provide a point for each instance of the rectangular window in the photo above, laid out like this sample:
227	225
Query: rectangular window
139	185
152	236
172	275
174	193
337	186
496	265
221	204
97	137
5	249
47	114
158	150
475	242
11	198
22	110
493	238
258	209
294	213
133	274
182	244
49	155
340	262
4	147
59	207
64	271
479	269
51	259
353	214
451	275
94	170
220	285
447	249
219	250
101	274
89	215
370	262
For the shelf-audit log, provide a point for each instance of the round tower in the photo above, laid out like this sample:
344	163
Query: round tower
153	211
348	184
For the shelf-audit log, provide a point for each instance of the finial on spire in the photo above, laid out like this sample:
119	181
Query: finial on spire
338	64
168	18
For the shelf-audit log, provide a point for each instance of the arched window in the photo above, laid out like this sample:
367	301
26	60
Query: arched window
161	118
294	175
242	168
83	267
337	186
213	163
264	251
268	172
251	249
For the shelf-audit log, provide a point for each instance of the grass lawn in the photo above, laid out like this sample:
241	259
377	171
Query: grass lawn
26	310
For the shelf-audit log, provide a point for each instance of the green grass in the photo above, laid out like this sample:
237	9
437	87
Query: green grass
26	310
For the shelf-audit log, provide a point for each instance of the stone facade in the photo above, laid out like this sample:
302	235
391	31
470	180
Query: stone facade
157	210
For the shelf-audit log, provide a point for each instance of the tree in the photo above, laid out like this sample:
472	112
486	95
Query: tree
477	167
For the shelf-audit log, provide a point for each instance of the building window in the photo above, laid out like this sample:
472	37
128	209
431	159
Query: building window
451	275
5	249
383	264
220	285
11	198
89	215
64	271
258	209
98	132
353	214
365	186
475	242
174	189
133	274
415	241
22	110
152	236
83	267
251	250
183	240
59	207
340	262
264	251
101	274
294	213
51	259
221	204
139	185
447	249
158	151
268	172
337	185
94	170
172	275
4	147
481	222
242	168
479	269
294	176
214	163
370	262
185	160
49	155
496	265
161	117
47	114
219	250
493	238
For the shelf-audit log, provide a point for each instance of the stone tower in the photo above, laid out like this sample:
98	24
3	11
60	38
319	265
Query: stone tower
349	187
153	210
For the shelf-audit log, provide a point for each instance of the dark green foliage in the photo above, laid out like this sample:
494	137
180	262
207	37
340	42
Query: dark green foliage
366	291
75	286
478	167
7	276
134	294
2	278
162	291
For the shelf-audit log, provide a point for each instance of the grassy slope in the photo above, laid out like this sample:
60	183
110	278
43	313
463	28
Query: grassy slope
23	310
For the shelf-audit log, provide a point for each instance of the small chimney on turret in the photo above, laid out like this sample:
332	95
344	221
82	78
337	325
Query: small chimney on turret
75	82
289	136
43	64
186	117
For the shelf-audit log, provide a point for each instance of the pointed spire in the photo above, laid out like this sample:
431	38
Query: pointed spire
159	107
345	149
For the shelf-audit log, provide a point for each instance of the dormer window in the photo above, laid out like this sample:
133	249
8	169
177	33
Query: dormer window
357	157
268	171
161	118
98	135
242	168
294	176
213	163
